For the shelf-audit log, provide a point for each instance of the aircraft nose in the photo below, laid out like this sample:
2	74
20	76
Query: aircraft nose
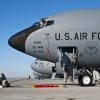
17	41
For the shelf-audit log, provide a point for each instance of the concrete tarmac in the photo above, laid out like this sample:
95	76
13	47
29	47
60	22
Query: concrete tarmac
22	90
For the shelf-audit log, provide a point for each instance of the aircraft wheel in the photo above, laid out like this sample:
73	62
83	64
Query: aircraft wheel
85	80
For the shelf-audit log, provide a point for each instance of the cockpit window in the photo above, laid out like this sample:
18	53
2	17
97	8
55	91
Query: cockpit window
42	23
36	24
50	22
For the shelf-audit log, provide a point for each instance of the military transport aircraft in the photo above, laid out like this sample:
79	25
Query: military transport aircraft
43	67
71	38
47	68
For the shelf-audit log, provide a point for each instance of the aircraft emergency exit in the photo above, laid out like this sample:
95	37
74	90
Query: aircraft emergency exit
74	33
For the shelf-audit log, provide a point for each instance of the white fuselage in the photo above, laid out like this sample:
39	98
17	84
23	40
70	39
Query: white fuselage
80	29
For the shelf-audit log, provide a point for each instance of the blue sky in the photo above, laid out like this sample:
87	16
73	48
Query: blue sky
16	15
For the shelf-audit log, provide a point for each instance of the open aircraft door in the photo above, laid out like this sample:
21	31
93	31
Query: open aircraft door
71	57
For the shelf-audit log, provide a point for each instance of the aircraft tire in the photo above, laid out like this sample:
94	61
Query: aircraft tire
85	80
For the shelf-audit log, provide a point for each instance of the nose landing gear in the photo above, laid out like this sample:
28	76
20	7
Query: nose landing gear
85	79
88	77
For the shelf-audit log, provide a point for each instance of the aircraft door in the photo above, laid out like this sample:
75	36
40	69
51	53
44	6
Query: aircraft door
67	54
67	57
